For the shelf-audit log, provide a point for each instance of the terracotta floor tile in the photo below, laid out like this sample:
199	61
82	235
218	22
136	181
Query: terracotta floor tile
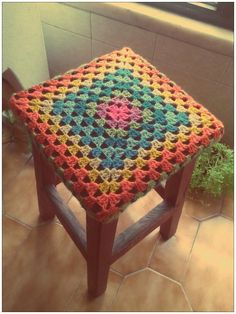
201	212
14	235
149	291
138	257
209	278
20	197
77	210
45	272
170	257
81	302
64	193
14	157
228	206
138	209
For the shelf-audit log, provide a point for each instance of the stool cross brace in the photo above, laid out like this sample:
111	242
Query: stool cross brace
98	244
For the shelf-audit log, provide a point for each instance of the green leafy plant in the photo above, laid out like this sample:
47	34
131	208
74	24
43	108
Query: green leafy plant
8	116
15	127
213	173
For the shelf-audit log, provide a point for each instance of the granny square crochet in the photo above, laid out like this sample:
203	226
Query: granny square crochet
115	128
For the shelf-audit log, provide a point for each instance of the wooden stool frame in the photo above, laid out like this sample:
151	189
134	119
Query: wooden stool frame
98	244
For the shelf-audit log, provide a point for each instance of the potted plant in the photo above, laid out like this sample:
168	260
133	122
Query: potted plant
18	132
13	130
212	177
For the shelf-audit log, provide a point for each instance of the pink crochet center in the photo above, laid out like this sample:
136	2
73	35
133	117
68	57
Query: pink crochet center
119	112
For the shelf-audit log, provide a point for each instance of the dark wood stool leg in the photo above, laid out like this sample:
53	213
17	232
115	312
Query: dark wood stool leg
100	238
44	176
175	192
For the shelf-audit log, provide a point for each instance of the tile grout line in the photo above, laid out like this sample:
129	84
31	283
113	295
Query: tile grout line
108	43
152	270
69	199
210	217
164	276
116	294
153	249
24	240
189	256
186	298
149	31
199	220
25	163
76	289
154	50
66	30
29	227
176	282
135	272
44	223
226	217
99	40
116	272
67	302
118	20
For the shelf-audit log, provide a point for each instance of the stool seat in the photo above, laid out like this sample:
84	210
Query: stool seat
114	129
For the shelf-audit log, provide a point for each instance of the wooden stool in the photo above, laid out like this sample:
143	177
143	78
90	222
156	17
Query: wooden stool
112	130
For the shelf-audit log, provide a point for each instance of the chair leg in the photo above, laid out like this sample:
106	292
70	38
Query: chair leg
100	239
175	192
44	175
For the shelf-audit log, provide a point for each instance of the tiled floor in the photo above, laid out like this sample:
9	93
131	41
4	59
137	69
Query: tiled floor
44	271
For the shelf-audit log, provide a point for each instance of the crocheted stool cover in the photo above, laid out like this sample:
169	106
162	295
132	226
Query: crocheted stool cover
115	128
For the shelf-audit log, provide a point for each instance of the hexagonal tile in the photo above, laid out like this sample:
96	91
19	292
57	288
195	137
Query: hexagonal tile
44	273
150	291
170	257
209	278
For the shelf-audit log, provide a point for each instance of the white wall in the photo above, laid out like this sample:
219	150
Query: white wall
74	36
23	43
